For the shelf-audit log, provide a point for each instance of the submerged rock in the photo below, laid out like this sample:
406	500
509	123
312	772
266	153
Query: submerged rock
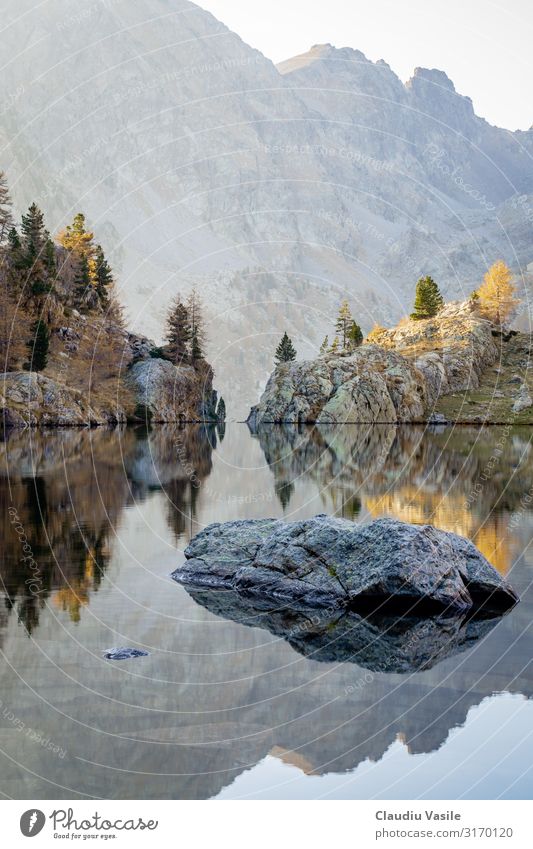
124	653
379	642
328	562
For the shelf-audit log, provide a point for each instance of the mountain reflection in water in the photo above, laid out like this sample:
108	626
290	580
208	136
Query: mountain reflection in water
105	516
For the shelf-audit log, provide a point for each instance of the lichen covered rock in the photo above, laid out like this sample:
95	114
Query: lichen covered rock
329	562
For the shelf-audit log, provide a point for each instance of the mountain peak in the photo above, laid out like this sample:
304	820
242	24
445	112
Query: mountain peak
432	76
321	52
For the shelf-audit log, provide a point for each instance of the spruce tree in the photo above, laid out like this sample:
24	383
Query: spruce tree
178	333
285	352
221	410
428	299
38	346
324	346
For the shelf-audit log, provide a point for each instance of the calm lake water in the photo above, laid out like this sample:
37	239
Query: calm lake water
226	704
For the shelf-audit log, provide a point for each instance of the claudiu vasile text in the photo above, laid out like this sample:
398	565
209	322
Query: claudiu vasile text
417	815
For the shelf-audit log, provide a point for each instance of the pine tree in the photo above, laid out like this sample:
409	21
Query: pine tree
38	346
497	298
221	410
6	216
178	332
334	346
343	323
355	335
285	352
428	299
324	346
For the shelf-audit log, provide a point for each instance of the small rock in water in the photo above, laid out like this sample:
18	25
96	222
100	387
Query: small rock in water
124	653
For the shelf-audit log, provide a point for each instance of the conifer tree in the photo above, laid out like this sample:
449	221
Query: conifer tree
49	255
343	323
196	349
334	346
104	276
497	299
34	235
428	299
38	346
324	346
178	332
285	352
82	280
355	335
221	410
6	215
196	322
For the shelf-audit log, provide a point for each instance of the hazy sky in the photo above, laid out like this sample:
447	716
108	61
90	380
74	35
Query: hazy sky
485	47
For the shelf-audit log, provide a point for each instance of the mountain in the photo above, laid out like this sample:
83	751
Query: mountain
275	190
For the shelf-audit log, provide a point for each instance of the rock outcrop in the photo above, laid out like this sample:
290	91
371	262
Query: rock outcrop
334	563
396	378
168	393
451	350
138	386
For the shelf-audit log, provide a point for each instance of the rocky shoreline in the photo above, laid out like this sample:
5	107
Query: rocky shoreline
402	376
144	388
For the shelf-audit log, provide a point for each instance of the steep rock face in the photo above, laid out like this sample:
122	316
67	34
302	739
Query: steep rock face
168	393
398	379
451	350
328	562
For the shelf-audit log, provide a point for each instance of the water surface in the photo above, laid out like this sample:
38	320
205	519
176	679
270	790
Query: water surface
94	522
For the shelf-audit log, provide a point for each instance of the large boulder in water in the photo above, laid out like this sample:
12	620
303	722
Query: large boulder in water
328	562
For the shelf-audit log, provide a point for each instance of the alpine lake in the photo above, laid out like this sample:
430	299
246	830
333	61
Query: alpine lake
230	701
